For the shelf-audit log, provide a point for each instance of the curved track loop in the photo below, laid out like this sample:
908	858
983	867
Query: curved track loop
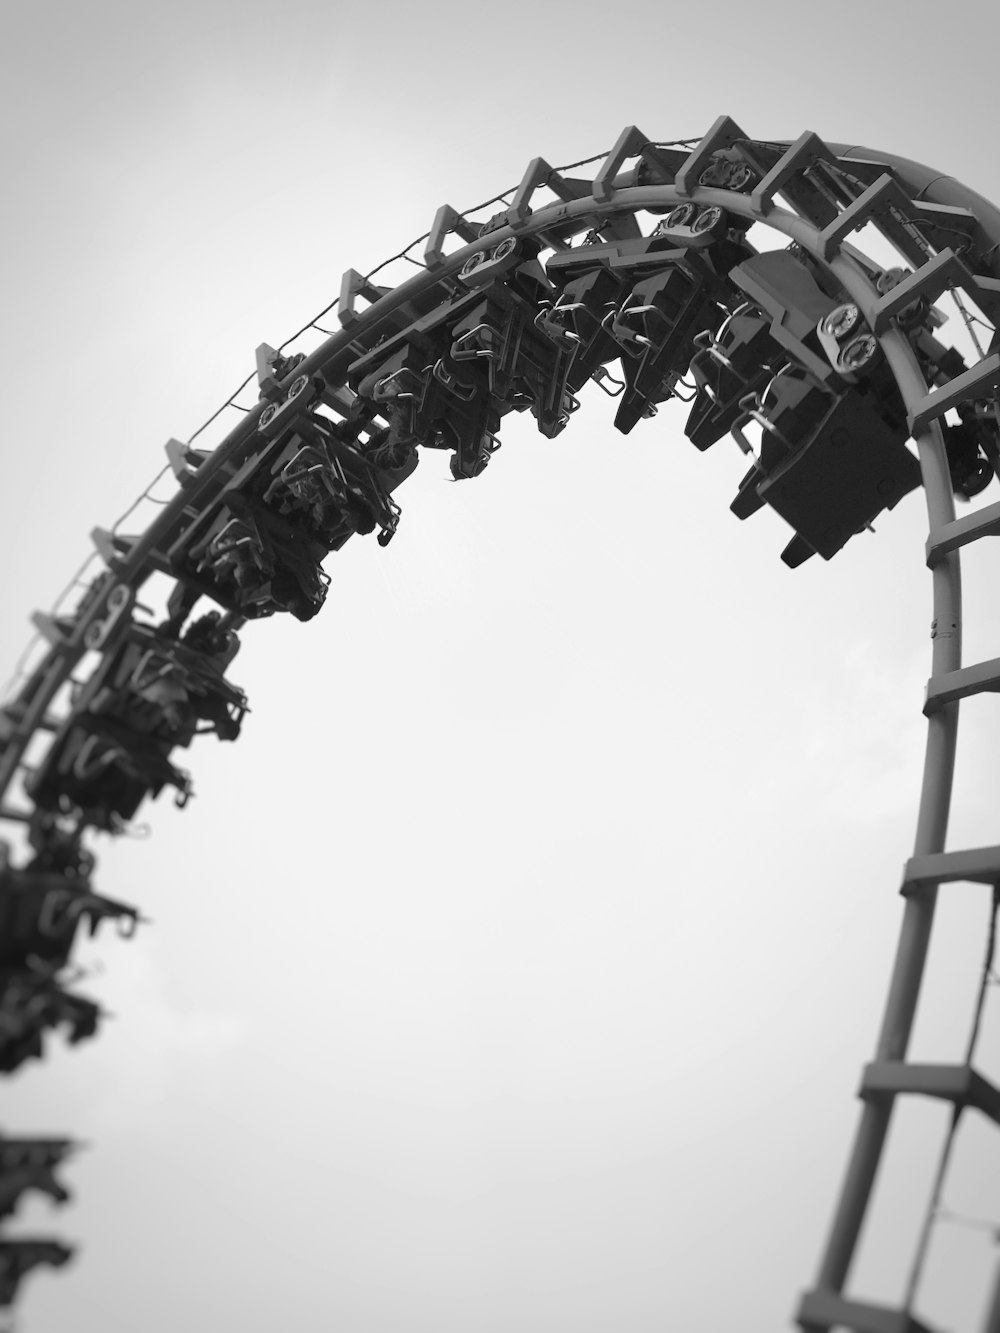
814	194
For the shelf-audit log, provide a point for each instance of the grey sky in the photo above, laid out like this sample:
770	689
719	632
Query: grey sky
517	968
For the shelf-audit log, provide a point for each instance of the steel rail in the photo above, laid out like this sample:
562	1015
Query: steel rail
621	196
925	182
933	809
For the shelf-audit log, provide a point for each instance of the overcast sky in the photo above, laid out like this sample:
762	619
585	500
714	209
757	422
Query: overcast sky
517	968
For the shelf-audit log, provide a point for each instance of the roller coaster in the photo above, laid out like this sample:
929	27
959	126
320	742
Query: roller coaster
835	373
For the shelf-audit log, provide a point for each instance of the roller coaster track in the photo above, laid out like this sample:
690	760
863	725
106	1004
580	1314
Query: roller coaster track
484	328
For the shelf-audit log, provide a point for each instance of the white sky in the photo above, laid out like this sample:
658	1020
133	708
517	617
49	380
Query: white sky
517	969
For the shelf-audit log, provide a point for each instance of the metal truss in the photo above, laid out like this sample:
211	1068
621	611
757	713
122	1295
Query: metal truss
832	355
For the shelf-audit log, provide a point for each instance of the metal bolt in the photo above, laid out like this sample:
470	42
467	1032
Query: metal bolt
298	386
912	314
841	320
505	248
892	277
859	352
707	219
471	264
739	176
267	414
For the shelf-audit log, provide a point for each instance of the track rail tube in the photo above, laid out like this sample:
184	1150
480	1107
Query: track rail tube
932	816
331	360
